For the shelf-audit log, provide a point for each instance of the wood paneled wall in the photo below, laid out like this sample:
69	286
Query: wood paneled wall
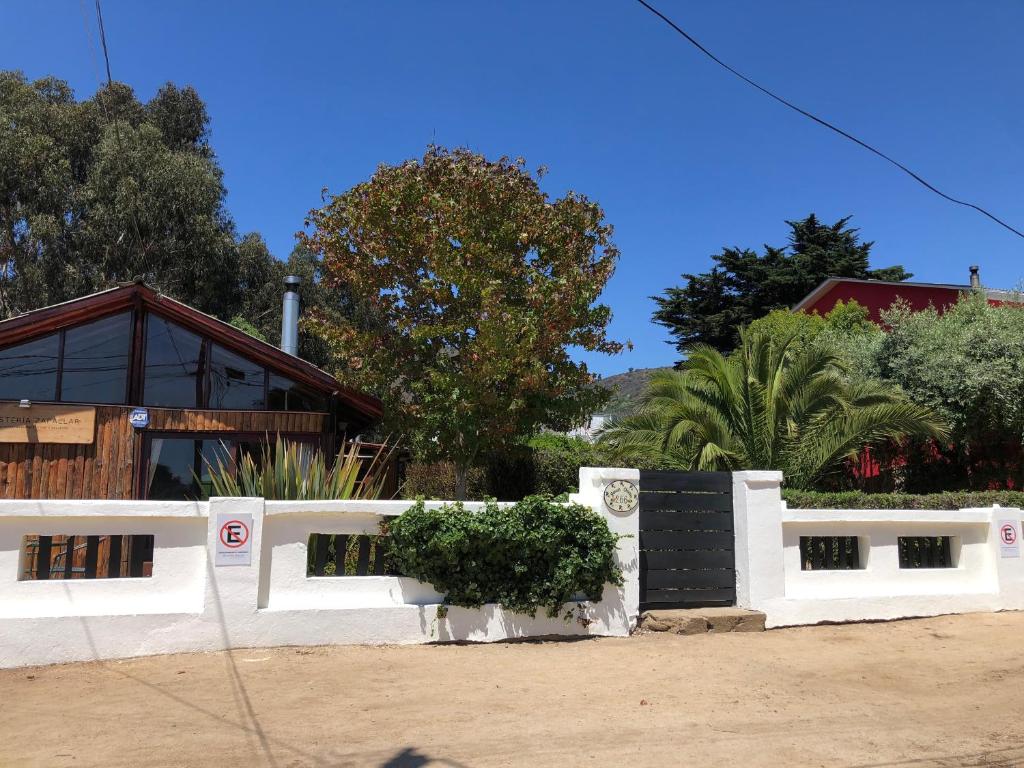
105	469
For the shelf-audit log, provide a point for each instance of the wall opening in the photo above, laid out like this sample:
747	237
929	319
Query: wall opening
832	553
927	551
86	557
342	554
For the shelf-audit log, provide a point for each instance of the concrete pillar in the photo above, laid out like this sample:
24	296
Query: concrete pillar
593	481
757	520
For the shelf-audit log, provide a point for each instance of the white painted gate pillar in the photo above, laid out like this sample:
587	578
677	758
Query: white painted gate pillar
757	521
626	525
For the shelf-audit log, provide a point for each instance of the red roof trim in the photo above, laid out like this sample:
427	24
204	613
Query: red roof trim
88	308
828	283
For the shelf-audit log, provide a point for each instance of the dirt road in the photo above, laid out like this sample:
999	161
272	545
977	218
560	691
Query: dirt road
914	694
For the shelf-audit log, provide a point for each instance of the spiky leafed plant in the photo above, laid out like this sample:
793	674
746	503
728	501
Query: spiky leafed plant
299	472
765	406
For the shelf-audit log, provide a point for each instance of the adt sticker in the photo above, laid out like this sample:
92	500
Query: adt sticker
234	539
139	418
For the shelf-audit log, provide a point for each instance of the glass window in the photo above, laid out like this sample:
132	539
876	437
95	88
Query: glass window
234	381
178	468
29	371
285	395
173	375
96	361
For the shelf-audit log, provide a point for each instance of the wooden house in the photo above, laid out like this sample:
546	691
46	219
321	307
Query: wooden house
123	393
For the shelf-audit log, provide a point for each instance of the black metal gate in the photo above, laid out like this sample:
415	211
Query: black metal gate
686	540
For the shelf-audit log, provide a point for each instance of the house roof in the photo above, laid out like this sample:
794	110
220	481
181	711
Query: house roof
827	284
139	295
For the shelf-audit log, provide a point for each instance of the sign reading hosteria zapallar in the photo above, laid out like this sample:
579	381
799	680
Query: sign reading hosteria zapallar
65	424
234	539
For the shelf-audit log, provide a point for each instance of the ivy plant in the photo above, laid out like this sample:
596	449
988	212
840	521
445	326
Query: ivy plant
536	554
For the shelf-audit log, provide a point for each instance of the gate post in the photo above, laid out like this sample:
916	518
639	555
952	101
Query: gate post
757	516
625	524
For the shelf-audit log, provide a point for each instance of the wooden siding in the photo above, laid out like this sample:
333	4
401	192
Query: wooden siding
105	468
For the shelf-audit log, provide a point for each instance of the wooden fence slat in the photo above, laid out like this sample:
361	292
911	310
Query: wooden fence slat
653	597
718	482
379	550
692	579
693	502
92	545
670	520
363	564
114	557
320	542
43	557
682	540
711	558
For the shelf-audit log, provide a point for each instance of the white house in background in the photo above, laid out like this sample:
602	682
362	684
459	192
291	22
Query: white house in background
589	430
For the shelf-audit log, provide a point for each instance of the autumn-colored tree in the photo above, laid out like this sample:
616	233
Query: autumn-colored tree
472	284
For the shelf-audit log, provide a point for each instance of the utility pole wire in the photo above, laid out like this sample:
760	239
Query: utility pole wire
117	129
822	122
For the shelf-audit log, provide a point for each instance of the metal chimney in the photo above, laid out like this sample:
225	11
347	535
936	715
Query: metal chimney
975	277
290	316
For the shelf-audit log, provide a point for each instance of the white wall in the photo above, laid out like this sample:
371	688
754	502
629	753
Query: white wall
191	605
770	578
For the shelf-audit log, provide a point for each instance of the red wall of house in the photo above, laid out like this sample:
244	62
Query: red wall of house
881	296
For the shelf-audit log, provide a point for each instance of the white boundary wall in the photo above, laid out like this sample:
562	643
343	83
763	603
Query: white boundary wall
769	576
190	605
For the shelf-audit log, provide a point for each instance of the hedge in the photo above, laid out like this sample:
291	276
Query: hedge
797	499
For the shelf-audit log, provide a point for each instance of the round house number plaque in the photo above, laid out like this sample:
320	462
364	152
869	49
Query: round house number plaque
621	495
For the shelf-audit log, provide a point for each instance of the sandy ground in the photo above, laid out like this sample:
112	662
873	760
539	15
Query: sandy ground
932	692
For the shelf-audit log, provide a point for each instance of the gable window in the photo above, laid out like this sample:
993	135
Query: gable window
235	383
83	364
95	361
283	394
173	375
29	371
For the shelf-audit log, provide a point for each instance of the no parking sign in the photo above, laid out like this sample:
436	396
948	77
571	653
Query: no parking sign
234	539
1009	538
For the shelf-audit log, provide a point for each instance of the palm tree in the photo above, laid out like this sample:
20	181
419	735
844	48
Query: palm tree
765	406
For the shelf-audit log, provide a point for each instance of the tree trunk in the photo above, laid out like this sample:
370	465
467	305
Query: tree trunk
460	482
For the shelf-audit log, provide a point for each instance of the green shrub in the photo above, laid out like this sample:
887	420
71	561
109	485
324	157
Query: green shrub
798	499
534	554
436	480
557	460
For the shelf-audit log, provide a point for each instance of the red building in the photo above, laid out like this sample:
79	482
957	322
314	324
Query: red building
987	466
879	295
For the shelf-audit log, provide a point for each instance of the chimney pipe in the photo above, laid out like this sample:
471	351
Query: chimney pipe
975	277
290	316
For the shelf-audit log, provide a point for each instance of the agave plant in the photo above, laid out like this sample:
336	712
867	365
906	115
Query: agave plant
299	472
765	406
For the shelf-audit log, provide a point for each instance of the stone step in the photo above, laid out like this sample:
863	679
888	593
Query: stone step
697	621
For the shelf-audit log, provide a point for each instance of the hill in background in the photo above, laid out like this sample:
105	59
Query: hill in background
627	388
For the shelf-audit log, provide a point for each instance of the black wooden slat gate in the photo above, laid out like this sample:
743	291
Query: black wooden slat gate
686	540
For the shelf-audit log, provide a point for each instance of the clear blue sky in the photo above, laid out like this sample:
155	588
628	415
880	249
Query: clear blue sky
683	157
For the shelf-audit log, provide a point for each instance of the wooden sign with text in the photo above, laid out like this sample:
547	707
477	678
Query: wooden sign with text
67	424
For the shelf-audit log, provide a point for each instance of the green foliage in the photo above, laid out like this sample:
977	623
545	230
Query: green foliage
766	406
243	324
472	285
300	472
535	554
744	285
556	461
800	499
846	332
967	364
435	480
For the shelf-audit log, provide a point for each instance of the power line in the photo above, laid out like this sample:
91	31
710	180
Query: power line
822	122
106	111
